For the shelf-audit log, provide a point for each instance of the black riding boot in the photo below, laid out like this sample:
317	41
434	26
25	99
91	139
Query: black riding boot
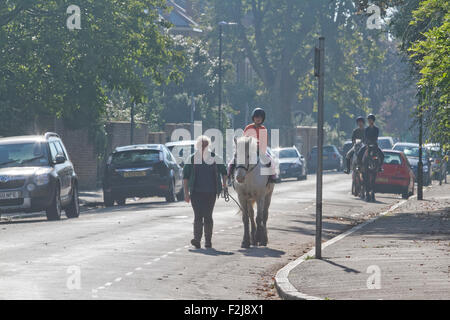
347	170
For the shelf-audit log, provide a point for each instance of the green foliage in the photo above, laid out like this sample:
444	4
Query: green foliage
48	69
429	52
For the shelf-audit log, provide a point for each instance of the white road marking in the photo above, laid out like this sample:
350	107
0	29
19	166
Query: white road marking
129	274
118	279
138	269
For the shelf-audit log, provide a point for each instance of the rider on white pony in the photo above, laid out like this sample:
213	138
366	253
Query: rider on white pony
258	130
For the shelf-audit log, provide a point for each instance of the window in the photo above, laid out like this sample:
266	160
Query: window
60	149
288	153
135	156
53	150
392	158
23	154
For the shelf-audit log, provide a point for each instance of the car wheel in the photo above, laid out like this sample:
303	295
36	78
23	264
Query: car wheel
406	194
108	199
121	201
53	212
73	210
171	195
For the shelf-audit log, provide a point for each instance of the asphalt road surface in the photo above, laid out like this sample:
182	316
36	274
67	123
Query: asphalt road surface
142	251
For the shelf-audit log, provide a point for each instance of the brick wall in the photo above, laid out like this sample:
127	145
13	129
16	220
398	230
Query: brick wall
82	153
118	134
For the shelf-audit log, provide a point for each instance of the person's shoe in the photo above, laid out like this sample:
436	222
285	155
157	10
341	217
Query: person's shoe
196	244
208	244
347	171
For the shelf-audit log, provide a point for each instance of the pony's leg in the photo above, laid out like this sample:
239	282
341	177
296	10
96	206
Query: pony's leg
246	239
259	219
267	201
251	215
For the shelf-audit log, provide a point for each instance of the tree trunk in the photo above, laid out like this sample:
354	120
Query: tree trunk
282	97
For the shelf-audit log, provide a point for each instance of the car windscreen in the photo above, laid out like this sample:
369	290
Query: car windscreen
328	149
392	158
384	144
135	156
435	153
23	154
287	153
412	151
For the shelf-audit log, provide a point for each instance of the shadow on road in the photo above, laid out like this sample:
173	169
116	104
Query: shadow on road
211	252
24	221
262	252
346	269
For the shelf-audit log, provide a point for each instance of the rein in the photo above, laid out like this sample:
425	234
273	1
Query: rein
226	195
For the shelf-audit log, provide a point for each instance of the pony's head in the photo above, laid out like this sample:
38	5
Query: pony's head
245	157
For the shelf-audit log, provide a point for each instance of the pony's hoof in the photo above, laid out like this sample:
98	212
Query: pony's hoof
245	245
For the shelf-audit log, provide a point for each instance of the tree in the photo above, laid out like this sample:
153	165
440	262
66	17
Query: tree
424	28
48	69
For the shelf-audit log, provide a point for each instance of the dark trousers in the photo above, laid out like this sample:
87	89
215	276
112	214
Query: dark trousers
203	205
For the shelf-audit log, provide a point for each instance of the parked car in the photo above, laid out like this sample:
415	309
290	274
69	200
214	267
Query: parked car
438	162
142	171
181	150
411	151
292	163
397	176
332	159
385	143
36	174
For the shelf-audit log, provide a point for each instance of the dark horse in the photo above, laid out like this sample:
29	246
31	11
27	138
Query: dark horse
371	165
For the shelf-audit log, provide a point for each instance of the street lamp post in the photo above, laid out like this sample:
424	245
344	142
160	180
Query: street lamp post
319	71
221	24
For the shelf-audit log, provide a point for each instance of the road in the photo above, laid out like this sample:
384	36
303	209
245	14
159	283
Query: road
141	250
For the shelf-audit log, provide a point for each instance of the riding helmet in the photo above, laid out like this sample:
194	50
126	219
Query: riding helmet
360	119
371	116
258	112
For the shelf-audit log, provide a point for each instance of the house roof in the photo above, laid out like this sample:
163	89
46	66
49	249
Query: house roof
179	17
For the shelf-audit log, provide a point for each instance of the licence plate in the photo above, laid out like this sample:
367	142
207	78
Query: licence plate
382	180
9	195
134	174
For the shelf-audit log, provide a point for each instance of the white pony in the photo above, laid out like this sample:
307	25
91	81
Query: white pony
251	184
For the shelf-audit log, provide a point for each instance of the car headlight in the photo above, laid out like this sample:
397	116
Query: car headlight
41	179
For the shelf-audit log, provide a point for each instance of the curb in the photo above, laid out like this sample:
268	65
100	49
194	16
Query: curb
287	291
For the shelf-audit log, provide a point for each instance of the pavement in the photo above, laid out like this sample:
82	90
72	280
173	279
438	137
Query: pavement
404	254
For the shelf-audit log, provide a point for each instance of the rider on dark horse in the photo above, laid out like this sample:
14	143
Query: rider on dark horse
358	134
371	138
